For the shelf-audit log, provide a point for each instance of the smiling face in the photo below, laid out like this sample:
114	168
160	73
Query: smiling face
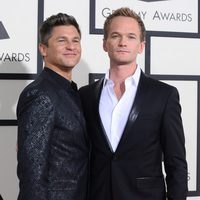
123	43
63	51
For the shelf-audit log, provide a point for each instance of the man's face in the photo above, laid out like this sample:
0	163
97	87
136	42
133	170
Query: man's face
123	42
64	49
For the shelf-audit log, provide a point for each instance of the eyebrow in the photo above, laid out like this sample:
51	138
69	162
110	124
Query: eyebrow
120	33
64	37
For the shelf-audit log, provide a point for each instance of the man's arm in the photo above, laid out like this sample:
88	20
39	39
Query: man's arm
35	124
173	144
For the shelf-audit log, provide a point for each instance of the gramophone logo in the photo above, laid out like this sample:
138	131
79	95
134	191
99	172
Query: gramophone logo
3	32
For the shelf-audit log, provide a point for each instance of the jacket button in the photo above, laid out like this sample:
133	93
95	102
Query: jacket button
114	157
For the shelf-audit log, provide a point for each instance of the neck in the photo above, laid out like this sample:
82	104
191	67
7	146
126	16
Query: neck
118	75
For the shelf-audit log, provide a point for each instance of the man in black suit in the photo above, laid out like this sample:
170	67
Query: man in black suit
52	142
133	122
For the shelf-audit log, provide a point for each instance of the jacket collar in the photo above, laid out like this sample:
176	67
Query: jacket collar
135	110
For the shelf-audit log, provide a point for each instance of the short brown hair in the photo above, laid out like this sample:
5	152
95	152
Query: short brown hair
126	12
53	21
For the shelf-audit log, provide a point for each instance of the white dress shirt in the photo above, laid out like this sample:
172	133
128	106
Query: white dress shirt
114	113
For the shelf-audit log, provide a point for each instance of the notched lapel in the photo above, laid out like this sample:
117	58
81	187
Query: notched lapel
139	98
98	89
137	105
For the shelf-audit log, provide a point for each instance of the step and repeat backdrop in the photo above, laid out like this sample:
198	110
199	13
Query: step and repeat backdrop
171	55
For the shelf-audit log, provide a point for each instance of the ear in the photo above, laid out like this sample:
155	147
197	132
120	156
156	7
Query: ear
141	48
43	49
104	45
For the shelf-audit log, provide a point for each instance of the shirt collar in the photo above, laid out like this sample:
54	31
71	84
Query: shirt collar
63	82
134	79
106	78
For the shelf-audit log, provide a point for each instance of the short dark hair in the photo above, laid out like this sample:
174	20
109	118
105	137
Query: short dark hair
53	21
126	12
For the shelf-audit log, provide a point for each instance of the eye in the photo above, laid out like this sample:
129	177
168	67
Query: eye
114	36
76	40
61	40
131	36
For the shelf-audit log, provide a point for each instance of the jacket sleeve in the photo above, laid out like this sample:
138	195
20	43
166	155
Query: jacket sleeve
35	114
173	144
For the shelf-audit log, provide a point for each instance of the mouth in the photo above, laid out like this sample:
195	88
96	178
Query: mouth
70	54
123	50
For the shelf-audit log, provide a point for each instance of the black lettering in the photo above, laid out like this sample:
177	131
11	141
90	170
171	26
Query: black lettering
165	15
20	57
142	14
14	57
172	17
178	16
184	17
1	57
27	57
189	17
106	12
156	16
7	57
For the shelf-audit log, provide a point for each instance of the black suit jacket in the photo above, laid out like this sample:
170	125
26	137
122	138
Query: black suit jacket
52	143
153	131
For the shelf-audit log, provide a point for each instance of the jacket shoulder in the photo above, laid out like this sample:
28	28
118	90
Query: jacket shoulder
85	90
157	84
41	89
41	85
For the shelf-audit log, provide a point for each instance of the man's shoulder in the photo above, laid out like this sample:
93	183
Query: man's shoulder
39	87
33	95
92	86
157	84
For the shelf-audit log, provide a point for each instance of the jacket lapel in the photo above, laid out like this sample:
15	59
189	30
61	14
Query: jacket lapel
135	110
102	132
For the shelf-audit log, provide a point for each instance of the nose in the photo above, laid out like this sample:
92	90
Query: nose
122	41
69	45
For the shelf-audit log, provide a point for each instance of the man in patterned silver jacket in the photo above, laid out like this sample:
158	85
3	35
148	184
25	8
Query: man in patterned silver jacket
52	142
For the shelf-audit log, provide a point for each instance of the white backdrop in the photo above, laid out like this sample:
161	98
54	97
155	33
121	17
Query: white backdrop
171	55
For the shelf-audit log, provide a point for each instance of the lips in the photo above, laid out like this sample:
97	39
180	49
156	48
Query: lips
123	51
70	54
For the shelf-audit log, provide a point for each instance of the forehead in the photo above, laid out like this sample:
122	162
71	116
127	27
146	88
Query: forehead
65	30
124	23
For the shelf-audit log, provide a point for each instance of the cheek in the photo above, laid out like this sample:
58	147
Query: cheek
79	49
53	54
110	48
